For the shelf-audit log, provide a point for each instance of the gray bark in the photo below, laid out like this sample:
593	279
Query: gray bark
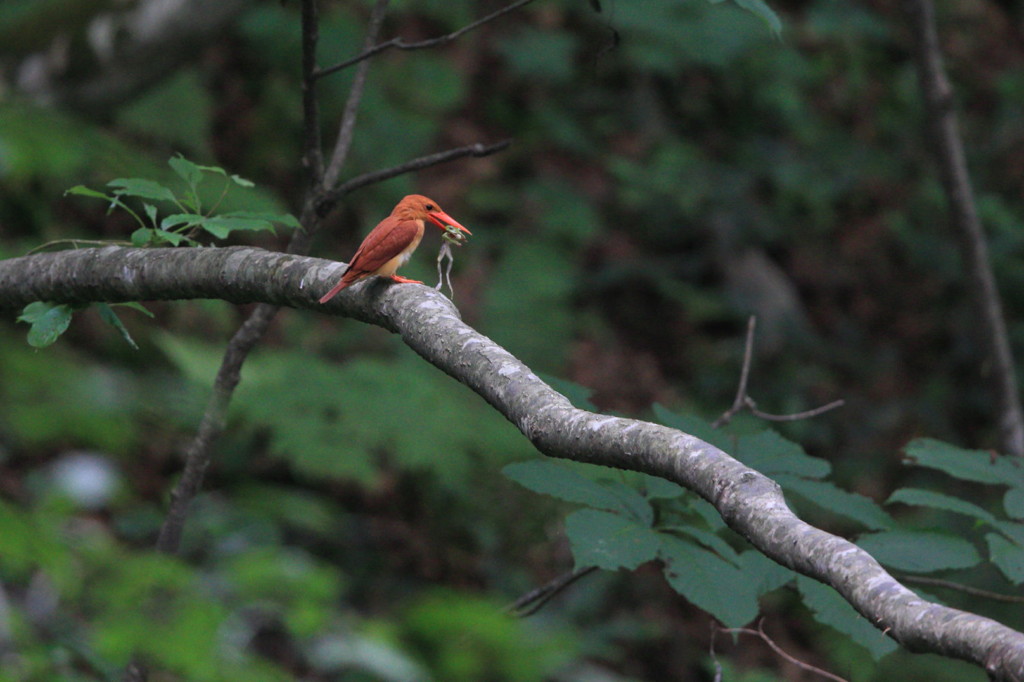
750	503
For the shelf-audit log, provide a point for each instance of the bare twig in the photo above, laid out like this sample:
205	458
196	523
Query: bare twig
532	602
332	197
355	96
938	96
313	154
796	416
966	589
744	402
400	44
741	390
760	633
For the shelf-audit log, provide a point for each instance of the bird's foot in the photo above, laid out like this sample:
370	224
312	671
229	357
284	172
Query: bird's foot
405	280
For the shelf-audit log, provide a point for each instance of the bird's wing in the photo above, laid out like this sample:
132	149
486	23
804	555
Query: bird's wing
390	238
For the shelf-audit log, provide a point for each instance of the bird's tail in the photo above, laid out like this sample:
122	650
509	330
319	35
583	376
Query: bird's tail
337	287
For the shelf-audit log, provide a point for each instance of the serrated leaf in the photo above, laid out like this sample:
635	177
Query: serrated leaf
835	500
771	454
48	322
551	478
141	188
928	498
709	582
979	466
142	236
609	541
712	541
916	551
762	11
1013	503
831	609
1008	556
186	170
110	317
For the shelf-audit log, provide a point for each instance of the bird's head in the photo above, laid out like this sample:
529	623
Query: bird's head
419	207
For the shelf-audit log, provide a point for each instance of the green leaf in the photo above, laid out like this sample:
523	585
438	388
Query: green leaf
831	609
654	488
1013	503
48	322
771	454
142	188
761	10
928	498
916	551
186	170
150	212
242	182
172	237
110	317
835	500
137	307
176	219
554	479
712	541
142	236
709	582
1008	556
610	541
222	225
285	219
969	465
84	191
766	573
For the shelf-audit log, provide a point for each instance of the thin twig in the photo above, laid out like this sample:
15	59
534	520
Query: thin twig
744	402
532	602
400	44
759	632
938	96
741	390
332	197
796	416
355	96
966	589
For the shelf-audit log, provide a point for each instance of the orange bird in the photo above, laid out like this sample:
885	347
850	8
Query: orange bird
389	245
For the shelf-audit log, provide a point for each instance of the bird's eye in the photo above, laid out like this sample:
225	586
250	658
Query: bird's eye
430	207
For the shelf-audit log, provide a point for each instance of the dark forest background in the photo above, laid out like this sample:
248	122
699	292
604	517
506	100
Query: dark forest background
674	168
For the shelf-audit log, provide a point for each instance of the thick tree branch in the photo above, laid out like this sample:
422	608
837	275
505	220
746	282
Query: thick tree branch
750	503
938	96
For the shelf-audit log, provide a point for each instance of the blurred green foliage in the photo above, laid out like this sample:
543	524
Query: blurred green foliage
675	167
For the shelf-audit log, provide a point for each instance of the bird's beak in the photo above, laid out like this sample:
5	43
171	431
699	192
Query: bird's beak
442	220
